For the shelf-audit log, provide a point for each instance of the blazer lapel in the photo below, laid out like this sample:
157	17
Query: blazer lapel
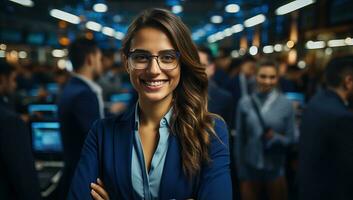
123	140
171	171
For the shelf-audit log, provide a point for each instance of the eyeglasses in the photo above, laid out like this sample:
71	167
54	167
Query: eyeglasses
166	60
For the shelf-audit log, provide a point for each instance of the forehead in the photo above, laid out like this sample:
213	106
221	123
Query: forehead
151	39
267	70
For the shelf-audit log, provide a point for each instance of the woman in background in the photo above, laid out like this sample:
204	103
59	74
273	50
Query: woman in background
168	146
265	127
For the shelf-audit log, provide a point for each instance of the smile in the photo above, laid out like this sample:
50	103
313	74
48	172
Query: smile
153	83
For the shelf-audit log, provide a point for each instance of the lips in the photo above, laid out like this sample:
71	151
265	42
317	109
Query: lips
154	84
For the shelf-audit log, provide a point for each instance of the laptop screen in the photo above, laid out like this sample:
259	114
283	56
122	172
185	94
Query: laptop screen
46	137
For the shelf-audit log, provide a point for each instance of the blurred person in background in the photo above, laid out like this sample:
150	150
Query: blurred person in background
222	62
326	140
265	128
110	81
80	103
18	177
219	100
234	68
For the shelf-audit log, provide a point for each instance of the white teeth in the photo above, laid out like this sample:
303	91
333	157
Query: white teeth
154	83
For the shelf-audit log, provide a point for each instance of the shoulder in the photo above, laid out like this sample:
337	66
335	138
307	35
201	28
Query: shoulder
221	132
286	103
109	123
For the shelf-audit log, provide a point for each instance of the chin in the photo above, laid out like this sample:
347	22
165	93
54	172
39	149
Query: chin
153	97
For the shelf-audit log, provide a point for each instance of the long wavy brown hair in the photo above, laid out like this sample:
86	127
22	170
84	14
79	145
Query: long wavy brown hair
191	121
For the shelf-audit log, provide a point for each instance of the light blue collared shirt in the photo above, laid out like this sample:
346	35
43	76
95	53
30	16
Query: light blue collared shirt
146	184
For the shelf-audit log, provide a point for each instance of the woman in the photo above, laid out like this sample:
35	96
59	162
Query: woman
265	122
168	146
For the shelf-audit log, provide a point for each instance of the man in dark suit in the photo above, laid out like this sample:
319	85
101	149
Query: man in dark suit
80	103
326	140
244	83
219	100
18	178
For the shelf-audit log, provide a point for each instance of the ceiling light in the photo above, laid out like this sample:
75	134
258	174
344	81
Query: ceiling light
253	50
315	44
22	54
253	21
292	6
278	47
177	9
119	35
58	53
59	14
27	3
216	19
94	26
267	49
100	7
232	8
3	46
237	28
108	31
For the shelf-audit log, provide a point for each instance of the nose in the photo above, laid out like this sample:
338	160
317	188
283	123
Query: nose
153	67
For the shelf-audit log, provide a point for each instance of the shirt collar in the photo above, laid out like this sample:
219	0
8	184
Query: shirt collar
165	121
94	86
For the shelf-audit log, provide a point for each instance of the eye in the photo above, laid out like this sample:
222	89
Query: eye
140	57
167	58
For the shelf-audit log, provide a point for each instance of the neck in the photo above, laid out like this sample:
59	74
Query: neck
85	72
341	93
152	112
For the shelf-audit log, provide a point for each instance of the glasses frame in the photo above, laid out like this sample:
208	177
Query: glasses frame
150	57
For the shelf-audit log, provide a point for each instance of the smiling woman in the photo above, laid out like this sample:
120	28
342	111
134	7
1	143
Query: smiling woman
168	146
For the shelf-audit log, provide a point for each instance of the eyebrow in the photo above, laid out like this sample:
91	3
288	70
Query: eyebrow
145	51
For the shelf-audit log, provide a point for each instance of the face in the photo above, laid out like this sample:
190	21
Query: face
248	68
348	81
152	83
96	63
266	78
210	68
8	83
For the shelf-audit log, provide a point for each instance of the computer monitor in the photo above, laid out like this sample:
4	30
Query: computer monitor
43	111
46	138
121	98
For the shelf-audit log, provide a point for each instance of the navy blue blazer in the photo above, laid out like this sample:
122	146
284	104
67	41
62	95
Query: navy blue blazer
326	149
78	109
107	154
18	177
220	102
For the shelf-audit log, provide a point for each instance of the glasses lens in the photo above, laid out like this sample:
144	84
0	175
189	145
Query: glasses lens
168	60
139	60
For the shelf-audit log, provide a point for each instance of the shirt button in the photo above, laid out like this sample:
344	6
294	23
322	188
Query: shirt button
163	122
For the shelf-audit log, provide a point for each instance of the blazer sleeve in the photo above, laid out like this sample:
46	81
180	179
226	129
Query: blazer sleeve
343	143
87	169
215	181
18	159
86	110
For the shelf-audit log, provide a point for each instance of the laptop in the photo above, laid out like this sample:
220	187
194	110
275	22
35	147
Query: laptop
48	149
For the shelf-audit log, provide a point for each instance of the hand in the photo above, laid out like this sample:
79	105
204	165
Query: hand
117	107
268	135
98	192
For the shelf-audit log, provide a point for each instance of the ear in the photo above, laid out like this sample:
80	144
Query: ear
348	82
89	59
